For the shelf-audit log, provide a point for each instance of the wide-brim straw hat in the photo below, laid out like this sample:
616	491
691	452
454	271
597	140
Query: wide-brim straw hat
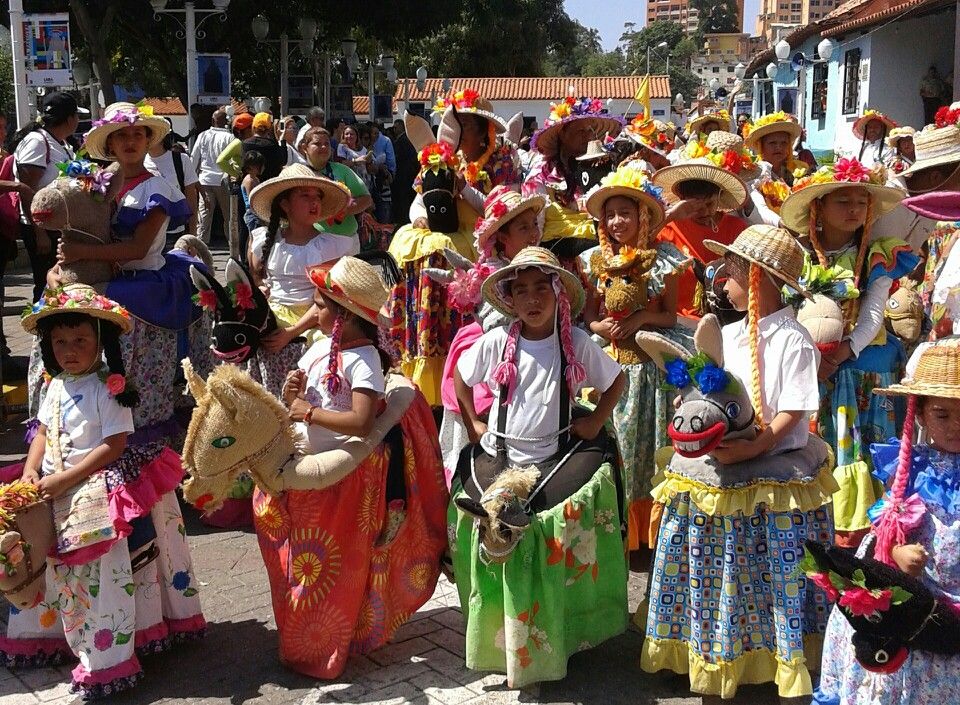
335	196
514	203
935	146
532	258
861	122
721	118
795	211
547	139
774	249
619	184
724	141
75	298
937	373
753	139
595	150
117	116
479	106
352	283
733	192
899	133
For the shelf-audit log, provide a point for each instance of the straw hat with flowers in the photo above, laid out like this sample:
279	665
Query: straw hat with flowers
937	373
117	116
547	139
496	289
860	126
335	196
352	283
768	125
845	173
721	117
773	249
652	134
469	102
500	207
721	161
635	184
938	144
75	298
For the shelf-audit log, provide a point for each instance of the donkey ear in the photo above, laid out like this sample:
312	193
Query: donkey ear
659	348
205	282
116	182
472	507
449	130
708	338
512	515
515	128
418	131
440	276
198	388
235	272
456	260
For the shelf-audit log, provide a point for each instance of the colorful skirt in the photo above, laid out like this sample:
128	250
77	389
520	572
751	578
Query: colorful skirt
726	604
126	602
563	590
340	583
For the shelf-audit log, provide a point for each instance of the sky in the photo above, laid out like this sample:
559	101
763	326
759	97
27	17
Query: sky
608	16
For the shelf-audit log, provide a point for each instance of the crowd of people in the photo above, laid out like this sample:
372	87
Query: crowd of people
617	337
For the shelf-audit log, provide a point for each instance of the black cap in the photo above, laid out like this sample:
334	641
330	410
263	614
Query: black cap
57	107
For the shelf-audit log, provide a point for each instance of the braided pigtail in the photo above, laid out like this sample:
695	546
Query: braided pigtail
128	396
753	323
643	227
890	530
576	373
276	215
606	247
331	378
863	146
814	234
858	273
505	373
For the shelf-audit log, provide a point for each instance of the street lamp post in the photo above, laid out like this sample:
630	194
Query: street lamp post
661	45
307	26
83	77
190	29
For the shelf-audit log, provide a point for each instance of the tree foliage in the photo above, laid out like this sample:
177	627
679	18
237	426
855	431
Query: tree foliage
716	16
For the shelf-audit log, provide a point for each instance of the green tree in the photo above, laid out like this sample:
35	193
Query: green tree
606	64
7	99
637	42
716	16
571	59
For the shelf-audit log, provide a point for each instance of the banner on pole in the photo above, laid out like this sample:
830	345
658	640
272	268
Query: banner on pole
46	45
213	79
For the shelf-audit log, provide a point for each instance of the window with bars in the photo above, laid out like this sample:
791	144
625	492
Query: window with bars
818	105
851	81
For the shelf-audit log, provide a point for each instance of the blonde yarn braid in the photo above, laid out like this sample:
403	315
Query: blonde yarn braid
753	324
858	267
814	221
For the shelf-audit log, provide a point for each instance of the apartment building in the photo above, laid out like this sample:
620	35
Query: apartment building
679	11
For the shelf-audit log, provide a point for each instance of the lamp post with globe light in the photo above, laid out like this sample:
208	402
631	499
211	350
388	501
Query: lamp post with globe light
782	50
83	77
386	64
307	27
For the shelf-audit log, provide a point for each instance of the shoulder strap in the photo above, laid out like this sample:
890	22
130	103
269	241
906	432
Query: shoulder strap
178	167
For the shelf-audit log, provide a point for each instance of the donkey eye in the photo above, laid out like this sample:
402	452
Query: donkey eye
732	410
585	178
240	339
223	442
627	280
894	304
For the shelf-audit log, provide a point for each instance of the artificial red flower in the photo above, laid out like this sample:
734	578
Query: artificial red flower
116	383
946	116
499	209
244	295
732	161
861	602
470	97
570	100
208	299
850	170
822	581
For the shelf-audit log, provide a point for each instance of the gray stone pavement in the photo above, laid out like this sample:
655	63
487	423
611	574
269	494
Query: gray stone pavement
237	664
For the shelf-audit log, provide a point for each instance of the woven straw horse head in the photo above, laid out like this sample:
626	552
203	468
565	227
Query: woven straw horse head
80	209
623	280
500	514
714	405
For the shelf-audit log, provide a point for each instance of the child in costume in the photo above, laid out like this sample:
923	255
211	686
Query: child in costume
350	562
773	137
903	154
252	168
747	485
509	224
915	529
872	129
635	286
295	205
119	582
834	210
535	526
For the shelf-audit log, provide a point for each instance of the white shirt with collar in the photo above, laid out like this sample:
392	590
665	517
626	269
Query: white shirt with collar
210	143
788	369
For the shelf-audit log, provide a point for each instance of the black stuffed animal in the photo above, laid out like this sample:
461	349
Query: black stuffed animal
890	612
242	317
438	199
712	276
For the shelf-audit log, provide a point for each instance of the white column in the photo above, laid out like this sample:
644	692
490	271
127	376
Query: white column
326	84
284	75
370	75
191	30
19	63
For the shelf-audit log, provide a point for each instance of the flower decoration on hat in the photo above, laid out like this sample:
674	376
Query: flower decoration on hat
947	115
774	194
634	178
701	372
462	100
90	176
720	116
84	298
733	160
770	119
852	594
574	107
849	171
129	117
437	156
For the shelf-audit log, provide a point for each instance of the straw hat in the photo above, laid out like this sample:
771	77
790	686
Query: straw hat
937	373
75	298
635	184
500	207
845	173
868	116
899	133
595	150
721	117
733	192
653	134
546	140
335	195
769	124
352	283
935	146
470	102
494	289
774	249
116	116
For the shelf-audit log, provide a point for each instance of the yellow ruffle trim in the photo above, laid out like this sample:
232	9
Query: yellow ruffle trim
411	244
426	373
723	677
560	222
777	496
858	491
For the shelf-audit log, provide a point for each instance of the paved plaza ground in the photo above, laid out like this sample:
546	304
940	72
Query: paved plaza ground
237	663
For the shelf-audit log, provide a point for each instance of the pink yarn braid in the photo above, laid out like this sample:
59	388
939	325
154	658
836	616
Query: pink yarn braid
576	373
889	530
331	377
505	373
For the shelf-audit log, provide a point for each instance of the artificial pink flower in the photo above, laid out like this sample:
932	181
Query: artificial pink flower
851	171
116	383
909	513
15	554
861	602
244	295
822	581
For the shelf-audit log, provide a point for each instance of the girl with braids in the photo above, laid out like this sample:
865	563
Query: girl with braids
118	584
834	210
297	205
636	285
558	583
872	129
725	605
350	562
916	528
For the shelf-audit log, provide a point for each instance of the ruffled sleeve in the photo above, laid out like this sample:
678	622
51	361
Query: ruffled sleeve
670	260
889	257
155	192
